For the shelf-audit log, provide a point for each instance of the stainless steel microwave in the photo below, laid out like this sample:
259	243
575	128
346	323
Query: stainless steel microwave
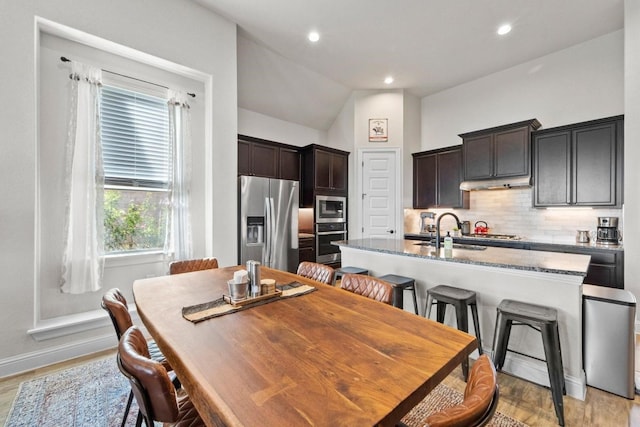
331	209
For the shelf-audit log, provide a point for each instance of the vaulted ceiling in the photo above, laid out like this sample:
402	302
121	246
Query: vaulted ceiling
426	45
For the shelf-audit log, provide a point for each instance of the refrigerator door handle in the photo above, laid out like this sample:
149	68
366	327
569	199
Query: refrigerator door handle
266	253
272	228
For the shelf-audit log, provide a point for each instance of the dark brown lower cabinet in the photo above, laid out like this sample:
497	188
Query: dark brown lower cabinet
307	249
606	267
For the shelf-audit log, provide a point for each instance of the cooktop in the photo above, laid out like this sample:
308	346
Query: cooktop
493	236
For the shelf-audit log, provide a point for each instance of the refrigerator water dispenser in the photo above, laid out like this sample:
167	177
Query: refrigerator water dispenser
255	230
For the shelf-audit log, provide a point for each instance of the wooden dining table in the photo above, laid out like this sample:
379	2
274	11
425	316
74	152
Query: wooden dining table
325	358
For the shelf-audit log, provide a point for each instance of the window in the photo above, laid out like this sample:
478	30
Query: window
136	151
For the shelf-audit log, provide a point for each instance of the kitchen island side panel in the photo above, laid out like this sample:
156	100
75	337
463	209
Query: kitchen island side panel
492	285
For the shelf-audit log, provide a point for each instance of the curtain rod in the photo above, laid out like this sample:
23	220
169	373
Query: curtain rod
65	59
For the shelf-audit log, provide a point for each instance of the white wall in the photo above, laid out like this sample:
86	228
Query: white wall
580	83
341	133
178	31
632	145
258	125
377	104
411	144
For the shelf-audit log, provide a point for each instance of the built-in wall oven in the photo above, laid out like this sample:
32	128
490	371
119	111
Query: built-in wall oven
326	233
331	225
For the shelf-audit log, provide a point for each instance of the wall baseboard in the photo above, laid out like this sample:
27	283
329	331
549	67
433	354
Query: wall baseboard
37	359
64	326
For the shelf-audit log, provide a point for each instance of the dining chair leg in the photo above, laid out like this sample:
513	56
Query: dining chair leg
126	409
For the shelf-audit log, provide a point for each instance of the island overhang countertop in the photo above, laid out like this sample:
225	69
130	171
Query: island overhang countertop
518	259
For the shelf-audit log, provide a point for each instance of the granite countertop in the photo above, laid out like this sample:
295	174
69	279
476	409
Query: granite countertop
518	259
568	245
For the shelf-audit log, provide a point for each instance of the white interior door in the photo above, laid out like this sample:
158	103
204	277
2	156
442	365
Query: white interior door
379	194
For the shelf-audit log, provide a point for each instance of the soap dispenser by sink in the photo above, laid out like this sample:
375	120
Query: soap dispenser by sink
448	242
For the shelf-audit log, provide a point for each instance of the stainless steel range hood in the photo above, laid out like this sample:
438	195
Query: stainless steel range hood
497	184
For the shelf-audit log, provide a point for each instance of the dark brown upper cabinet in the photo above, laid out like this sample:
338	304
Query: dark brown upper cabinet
268	159
289	164
325	172
437	175
498	152
579	164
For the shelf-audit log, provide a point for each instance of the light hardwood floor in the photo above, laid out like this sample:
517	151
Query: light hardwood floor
522	400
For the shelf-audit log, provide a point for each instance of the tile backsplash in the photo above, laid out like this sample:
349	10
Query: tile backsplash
511	212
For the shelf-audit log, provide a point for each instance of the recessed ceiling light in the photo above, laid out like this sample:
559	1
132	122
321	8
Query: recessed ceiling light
313	36
388	80
504	29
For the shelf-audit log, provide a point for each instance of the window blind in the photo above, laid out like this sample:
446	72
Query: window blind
134	130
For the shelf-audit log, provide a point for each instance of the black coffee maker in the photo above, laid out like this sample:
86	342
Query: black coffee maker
608	233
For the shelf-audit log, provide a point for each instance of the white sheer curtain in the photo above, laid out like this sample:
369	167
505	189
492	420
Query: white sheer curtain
178	244
83	259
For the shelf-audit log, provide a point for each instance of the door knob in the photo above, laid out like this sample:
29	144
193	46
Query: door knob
390	231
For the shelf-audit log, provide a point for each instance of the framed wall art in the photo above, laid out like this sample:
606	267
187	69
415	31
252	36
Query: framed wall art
378	130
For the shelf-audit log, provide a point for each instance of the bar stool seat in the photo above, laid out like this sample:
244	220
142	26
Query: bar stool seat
460	299
545	320
401	284
349	270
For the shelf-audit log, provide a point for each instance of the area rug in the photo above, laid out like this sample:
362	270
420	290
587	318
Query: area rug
444	396
95	394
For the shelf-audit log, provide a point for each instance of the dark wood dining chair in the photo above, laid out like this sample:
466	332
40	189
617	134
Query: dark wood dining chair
157	397
116	305
188	265
368	286
319	272
480	400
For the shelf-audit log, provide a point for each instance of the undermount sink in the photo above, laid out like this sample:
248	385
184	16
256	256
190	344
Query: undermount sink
456	246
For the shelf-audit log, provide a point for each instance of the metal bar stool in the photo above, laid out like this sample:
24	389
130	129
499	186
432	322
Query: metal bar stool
544	320
401	284
348	270
460	299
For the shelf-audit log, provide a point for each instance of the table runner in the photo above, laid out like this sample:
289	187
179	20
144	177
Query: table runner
219	307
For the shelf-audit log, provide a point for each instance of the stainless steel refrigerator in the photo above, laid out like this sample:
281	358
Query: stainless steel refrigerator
268	226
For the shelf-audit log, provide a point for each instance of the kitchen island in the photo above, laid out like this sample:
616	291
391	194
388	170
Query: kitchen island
545	278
